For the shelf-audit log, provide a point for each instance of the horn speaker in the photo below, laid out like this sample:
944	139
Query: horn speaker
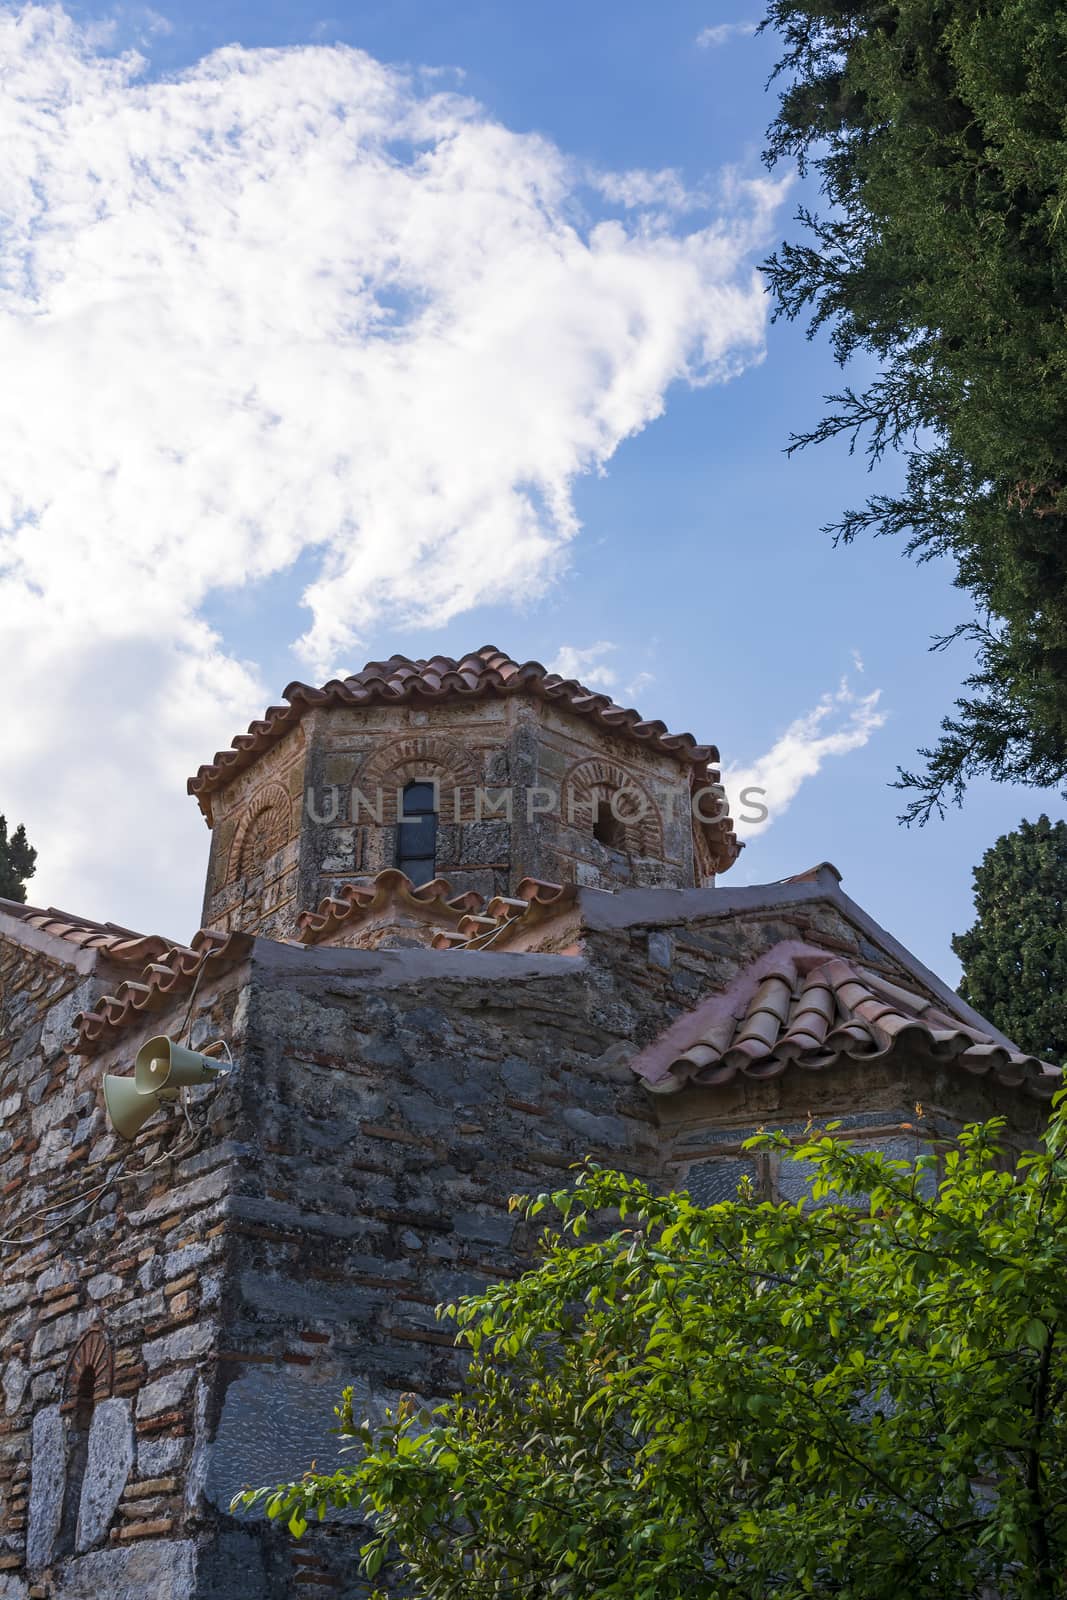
160	1070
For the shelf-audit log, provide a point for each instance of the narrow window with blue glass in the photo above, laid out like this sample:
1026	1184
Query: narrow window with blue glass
416	834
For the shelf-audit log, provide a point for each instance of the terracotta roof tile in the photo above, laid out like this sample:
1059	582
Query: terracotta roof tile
392	889
510	920
483	673
463	921
174	973
118	944
811	1009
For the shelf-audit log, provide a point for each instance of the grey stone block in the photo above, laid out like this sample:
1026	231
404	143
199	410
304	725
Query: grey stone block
102	1285
491	1228
106	1470
598	1130
165	1394
156	1457
158	1568
16	1377
273	1425
185	1345
48	1476
482	843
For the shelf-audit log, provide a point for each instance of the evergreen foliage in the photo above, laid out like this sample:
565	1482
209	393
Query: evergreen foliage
1015	956
17	860
938	131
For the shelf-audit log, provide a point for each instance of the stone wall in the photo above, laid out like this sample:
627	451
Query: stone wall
352	1173
107	1303
253	870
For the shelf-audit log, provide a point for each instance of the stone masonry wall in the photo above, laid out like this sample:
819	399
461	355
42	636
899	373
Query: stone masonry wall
353	1173
319	811
391	1103
253	870
106	1302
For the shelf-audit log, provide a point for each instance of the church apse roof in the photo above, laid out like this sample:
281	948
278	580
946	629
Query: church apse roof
484	673
799	1007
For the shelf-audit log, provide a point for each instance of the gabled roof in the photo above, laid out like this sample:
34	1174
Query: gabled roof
484	673
799	1006
118	944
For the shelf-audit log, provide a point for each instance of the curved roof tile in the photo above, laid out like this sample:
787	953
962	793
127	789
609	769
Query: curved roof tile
391	888
118	944
812	1009
461	921
484	672
173	973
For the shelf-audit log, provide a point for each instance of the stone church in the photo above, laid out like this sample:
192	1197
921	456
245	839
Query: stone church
465	922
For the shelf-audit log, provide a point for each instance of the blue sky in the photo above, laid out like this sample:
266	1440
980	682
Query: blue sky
649	525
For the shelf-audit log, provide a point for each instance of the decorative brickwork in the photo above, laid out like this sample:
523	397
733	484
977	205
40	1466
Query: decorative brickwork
631	805
90	1370
262	831
419	758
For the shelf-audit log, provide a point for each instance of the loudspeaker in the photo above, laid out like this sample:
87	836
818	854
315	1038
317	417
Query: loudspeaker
163	1066
127	1108
161	1069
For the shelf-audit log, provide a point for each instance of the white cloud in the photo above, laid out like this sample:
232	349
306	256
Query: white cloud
639	684
723	32
586	665
841	722
638	188
291	303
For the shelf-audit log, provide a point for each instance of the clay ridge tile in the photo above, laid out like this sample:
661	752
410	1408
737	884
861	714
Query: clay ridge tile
484	672
174	972
507	917
357	901
121	945
814	1010
459	920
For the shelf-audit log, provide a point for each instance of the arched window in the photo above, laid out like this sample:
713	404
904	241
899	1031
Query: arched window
608	829
416	833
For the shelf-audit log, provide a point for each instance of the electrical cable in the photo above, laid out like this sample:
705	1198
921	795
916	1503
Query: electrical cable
98	1190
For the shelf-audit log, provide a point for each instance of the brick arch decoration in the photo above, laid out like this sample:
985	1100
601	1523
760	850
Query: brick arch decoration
595	779
423	756
266	825
92	1354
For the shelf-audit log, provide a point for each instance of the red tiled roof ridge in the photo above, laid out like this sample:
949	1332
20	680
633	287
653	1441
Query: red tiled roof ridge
798	1004
487	671
391	886
469	910
533	902
123	945
172	972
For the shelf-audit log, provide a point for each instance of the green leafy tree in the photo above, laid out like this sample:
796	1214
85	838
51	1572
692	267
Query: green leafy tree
938	132
767	1401
1015	957
17	860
